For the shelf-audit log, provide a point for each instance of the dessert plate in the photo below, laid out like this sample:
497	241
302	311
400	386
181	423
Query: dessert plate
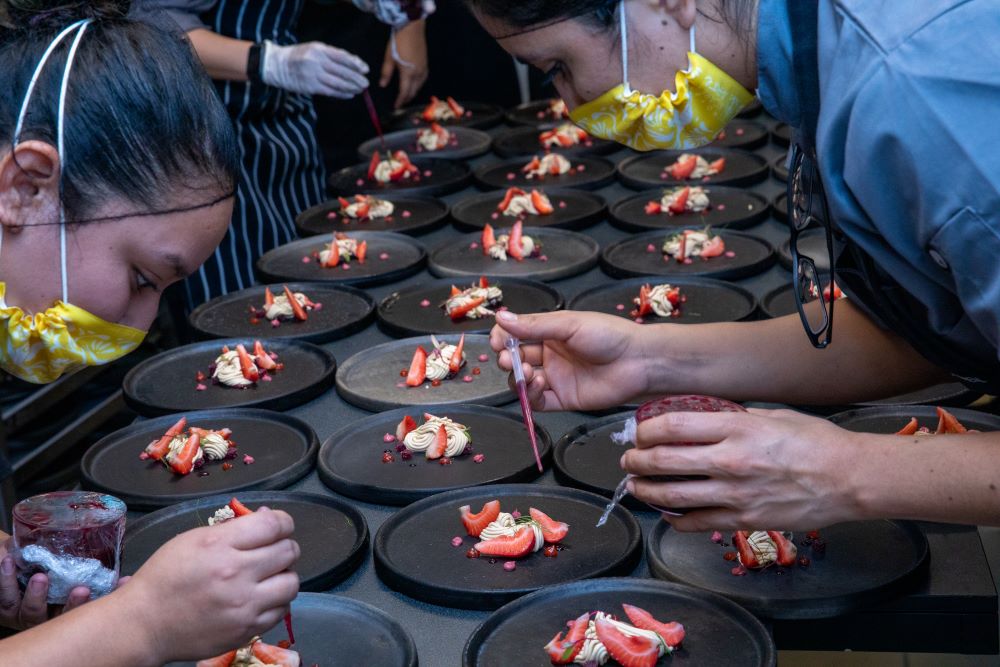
525	141
888	419
340	312
863	563
779	302
372	379
391	257
648	171
351	464
779	168
437	177
718	632
477	115
782	135
332	533
417	310
535	114
586	458
466	143
755	108
413	215
641	255
812	243
731	208
283	450
744	134
707	300
167	383
563	254
587	173
354	632
415	556
572	209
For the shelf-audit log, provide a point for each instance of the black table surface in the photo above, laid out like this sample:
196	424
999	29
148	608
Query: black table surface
954	611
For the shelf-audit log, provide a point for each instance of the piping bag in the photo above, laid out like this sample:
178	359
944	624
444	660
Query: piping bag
513	346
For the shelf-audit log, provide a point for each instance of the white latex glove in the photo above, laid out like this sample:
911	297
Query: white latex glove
314	68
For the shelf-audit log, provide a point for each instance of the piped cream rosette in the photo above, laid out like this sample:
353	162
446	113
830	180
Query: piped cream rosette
439	360
228	372
422	437
505	525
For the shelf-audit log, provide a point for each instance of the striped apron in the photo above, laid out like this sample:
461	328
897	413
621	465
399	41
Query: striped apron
281	169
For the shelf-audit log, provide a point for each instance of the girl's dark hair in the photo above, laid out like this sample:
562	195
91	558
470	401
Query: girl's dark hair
142	117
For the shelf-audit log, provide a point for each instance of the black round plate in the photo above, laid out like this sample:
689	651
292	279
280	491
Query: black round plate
332	533
782	135
283	449
566	254
707	300
812	243
888	419
482	117
414	554
731	208
780	207
350	462
355	633
466	143
745	134
753	109
581	210
166	383
779	302
779	168
865	562
405	256
400	313
344	311
413	215
586	458
534	114
646	171
589	173
949	394
371	379
525	142
445	176
718	632
631	257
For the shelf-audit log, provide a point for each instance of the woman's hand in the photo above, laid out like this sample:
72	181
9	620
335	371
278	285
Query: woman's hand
584	361
22	611
411	44
211	589
777	470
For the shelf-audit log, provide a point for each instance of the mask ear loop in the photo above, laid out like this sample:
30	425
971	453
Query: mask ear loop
624	31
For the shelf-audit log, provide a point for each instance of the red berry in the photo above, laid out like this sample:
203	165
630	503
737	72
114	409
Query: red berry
813	534
387	457
227	466
444	460
730	555
550	551
803	561
476	371
472	553
435	383
403	373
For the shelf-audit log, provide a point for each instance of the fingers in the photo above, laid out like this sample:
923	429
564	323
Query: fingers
348	60
539	326
341	82
268	619
715	518
676	495
701	427
260	529
10	592
531	355
388	69
276	592
122	581
411	81
34	604
669	460
273	558
80	595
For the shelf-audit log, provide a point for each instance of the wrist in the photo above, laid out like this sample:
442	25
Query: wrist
863	485
130	612
669	365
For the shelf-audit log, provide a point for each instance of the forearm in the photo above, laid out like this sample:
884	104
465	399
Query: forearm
774	361
224	58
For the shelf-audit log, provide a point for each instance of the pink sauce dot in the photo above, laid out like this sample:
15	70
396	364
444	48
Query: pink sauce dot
275	323
495	216
543	258
511	176
689	261
730	254
306	260
406	214
200	387
663	176
651	248
478	458
706	179
620	307
720	207
143	456
400	385
383	256
388	437
473	245
740	132
345	267
265	378
540	114
428	173
248	460
359	182
467	378
717	537
456	541
562	204
317	306
639	320
581	167
483	357
510	566
468	114
516	514
425	303
739	571
332	215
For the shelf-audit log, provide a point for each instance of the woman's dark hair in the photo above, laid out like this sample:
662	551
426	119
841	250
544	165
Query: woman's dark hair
142	117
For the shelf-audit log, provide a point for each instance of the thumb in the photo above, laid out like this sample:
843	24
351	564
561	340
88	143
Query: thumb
558	326
388	68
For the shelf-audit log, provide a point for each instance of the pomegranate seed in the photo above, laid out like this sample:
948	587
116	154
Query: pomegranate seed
406	455
248	460
387	457
476	370
813	534
467	378
406	214
729	556
738	571
425	303
435	383
403	373
227	466
472	553
803	561
444	460
717	537
483	358
550	551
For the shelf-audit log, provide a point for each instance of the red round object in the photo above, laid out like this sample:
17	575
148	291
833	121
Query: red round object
550	551
730	555
688	403
472	553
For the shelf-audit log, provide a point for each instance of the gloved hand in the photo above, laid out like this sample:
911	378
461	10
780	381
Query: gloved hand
314	68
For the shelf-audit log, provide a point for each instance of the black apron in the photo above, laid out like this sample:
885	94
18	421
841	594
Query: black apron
867	284
281	168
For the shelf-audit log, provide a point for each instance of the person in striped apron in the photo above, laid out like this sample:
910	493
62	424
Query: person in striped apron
266	80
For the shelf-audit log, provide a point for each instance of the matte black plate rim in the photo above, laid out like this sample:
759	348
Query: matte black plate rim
657	193
399	198
750	179
750	298
904	412
482	141
742	616
567	193
734	273
768	300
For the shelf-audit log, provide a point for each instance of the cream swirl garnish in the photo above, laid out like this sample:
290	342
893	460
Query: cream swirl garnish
177	444
697	199
439	360
660	301
505	525
376	208
491	295
421	438
594	651
228	371
763	547
702	167
566	134
499	250
215	446
433	139
694	244
520	205
281	309
347	248
222	515
550	165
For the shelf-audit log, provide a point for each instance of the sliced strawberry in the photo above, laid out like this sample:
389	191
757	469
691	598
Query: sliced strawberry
333	259
476	523
645	307
262	358
456	108
418	368
555	169
545	137
224	660
268	298
437	129
297	310
683	168
343	203
489	239
247	366
654	208
455	291
741	540
460	312
629	651
682	248
561	651
239	509
430	109
679	204
947	423
553	531
837	293
406	425
456	358
438	447
514	242
910	428
534	165
399	173
718	165
159	448
275	655
518	545
373	165
363	209
361	252
483	282
787	552
182	462
509	197
672	634
541	203
714	247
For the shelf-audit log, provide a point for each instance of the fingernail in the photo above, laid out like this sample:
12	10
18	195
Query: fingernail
621	462
7	567
630	486
37	584
263	508
507	316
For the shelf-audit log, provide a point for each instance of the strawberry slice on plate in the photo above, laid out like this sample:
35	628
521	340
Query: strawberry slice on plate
948	423
407	424
297	310
440	444
456	358
679	204
275	655
268	298
683	168
553	531
460	312
476	523
248	368
910	428
672	634
489	239
518	545
183	461
629	651
418	368
654	208
373	165
514	241
158	449
564	651
787	552
224	660
718	165
741	540
713	248
239	509
262	358
541	203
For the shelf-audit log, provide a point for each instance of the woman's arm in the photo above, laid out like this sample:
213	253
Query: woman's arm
224	58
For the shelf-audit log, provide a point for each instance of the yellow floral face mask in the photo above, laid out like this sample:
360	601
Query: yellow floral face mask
707	99
42	347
